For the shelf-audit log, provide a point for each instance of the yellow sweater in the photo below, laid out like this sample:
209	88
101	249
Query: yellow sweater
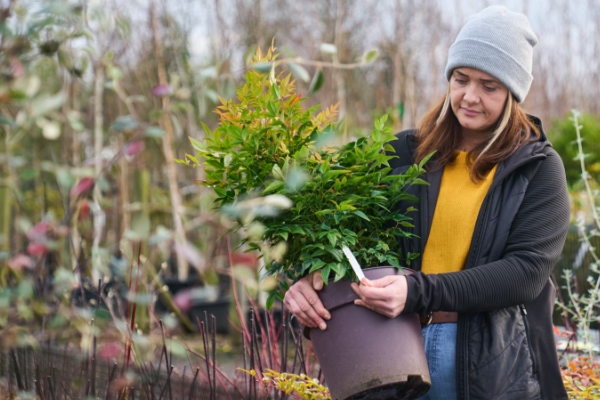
454	218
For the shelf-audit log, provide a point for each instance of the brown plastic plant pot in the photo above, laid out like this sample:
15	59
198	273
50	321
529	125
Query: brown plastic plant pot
366	355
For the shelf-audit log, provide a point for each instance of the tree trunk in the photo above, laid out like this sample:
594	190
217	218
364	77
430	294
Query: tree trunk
397	100
76	149
191	117
168	139
99	216
123	184
5	214
339	74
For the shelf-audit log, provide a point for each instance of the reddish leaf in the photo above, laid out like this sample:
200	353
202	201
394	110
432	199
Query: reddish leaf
295	99
82	187
162	90
36	249
183	300
38	232
110	352
556	330
133	148
17	67
84	210
248	259
20	261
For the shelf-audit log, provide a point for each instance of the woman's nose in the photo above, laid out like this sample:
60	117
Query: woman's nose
471	94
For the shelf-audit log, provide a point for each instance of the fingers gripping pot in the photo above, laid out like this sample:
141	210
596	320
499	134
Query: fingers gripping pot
366	355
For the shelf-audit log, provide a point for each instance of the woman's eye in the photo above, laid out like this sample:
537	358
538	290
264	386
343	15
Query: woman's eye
489	88
461	81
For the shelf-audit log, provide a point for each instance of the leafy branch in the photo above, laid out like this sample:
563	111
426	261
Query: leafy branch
583	307
269	148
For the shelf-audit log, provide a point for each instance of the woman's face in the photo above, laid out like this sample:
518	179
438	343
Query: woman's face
477	100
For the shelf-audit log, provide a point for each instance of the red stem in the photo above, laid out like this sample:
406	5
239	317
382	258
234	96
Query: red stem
235	295
220	374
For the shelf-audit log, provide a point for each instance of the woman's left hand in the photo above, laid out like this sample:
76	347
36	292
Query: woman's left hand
386	296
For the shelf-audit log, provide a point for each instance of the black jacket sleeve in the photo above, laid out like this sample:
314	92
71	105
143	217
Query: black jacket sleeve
536	239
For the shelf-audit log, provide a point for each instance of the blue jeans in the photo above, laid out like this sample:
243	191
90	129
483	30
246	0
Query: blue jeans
440	349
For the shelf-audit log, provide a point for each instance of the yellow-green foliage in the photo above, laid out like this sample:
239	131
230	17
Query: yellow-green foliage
582	378
303	385
293	384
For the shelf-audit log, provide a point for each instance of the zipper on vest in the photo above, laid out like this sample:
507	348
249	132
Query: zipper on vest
464	320
529	342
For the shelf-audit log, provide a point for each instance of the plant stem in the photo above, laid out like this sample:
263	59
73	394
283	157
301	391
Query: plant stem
169	153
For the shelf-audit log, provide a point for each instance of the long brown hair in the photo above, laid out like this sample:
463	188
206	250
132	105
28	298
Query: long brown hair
440	131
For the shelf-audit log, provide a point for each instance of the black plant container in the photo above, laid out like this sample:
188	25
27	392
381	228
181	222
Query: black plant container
365	355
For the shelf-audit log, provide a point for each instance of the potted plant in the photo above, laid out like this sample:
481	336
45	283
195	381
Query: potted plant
266	147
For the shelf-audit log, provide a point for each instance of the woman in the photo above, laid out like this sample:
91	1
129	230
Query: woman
490	226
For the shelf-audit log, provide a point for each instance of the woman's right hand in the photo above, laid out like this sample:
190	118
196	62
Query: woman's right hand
302	301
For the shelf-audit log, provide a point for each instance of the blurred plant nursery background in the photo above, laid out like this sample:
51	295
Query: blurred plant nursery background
120	279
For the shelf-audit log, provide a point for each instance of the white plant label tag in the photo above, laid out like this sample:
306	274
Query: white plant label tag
355	266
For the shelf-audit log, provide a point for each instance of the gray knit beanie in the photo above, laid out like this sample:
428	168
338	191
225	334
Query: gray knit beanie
499	42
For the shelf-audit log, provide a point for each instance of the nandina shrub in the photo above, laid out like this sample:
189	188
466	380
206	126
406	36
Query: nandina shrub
267	146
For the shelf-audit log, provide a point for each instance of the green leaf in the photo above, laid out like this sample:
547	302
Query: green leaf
140	224
270	300
284	285
262	66
317	82
227	160
332	237
325	273
44	104
271	108
64	59
155	132
424	160
114	73
324	212
206	129
28	174
273	187
299	72
328	48
361	214
64	177
176	348
370	55
211	95
124	123
297	230
58	321
334	173
4	120
277	173
301	154
196	144
24	289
